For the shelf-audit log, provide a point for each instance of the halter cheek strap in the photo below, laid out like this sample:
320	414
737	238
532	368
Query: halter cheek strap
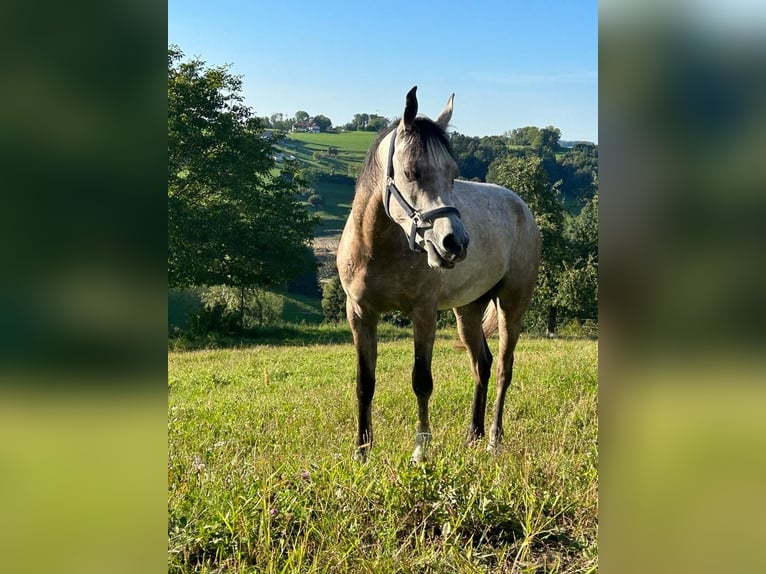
420	220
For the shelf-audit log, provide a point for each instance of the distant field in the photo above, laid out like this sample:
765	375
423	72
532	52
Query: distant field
352	149
349	141
338	198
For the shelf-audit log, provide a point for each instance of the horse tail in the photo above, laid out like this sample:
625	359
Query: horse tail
489	322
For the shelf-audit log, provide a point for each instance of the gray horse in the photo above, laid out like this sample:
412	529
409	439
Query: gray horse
418	240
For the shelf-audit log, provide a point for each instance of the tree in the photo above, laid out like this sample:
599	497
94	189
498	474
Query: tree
231	221
376	123
301	117
333	301
527	177
323	122
526	136
579	281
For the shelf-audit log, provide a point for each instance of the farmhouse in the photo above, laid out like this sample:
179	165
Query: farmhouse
305	127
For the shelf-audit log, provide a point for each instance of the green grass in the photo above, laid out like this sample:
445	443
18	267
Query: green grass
261	479
352	149
338	198
299	309
345	141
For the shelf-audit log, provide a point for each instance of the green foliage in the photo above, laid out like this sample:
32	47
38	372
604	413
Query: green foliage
543	141
333	301
230	310
323	122
567	284
528	178
260	475
396	318
578	169
578	290
231	219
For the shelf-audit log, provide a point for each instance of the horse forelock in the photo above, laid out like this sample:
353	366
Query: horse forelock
423	137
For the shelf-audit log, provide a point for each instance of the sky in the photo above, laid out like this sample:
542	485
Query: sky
510	63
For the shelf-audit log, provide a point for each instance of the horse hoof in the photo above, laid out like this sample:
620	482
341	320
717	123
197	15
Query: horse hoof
417	461
360	455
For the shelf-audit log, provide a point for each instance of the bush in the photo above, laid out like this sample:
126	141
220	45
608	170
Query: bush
223	311
333	301
397	319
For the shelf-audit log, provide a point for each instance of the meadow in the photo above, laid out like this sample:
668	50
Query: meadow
352	149
261	476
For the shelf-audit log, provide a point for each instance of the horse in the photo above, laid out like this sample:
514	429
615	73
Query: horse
419	240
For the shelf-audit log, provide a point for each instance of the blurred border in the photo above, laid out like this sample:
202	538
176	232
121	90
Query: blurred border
83	296
682	118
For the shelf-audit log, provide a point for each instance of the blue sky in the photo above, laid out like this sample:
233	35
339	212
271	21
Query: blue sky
510	63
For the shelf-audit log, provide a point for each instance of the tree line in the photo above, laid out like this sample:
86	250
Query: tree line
360	122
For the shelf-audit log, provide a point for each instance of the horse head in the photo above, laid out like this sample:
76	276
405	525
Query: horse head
421	170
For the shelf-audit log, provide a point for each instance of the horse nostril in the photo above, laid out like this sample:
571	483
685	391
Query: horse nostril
451	244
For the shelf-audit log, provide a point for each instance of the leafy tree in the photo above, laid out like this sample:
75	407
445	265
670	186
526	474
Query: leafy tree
323	122
333	301
301	117
375	123
231	221
360	121
527	177
578	168
547	142
526	136
579	281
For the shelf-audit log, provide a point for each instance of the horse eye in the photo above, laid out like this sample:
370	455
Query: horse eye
412	174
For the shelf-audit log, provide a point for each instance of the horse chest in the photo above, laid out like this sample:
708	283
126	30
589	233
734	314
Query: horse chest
379	285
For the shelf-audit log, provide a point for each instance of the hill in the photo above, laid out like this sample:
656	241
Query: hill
314	151
330	162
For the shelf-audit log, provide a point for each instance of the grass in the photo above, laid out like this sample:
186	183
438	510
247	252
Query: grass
352	149
301	309
338	198
261	479
345	141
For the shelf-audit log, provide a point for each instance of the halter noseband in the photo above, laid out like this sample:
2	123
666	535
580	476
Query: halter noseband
420	221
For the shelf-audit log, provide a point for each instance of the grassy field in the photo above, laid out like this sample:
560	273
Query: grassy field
261	479
338	198
352	149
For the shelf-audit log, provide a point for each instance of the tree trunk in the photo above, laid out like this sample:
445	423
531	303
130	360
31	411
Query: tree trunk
241	308
552	321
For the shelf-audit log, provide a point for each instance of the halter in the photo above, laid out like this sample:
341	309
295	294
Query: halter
420	221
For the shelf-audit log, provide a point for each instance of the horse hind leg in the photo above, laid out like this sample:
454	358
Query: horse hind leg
469	326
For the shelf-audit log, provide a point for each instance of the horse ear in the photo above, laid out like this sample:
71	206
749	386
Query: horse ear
446	115
410	109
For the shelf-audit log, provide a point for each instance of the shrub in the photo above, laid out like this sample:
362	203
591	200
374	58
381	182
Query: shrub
333	301
229	310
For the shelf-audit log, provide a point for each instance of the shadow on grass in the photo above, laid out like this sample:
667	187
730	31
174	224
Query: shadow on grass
287	335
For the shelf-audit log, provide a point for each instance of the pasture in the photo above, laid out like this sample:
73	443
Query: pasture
352	149
261	476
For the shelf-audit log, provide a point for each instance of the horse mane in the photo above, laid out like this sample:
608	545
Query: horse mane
423	136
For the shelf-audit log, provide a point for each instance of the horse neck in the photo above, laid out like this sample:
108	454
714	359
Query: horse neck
371	224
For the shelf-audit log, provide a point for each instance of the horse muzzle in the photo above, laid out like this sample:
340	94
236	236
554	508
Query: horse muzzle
447	250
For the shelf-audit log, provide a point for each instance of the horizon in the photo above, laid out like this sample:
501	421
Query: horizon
514	65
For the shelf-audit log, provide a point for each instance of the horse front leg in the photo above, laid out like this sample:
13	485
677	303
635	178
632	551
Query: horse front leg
424	322
509	329
364	326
